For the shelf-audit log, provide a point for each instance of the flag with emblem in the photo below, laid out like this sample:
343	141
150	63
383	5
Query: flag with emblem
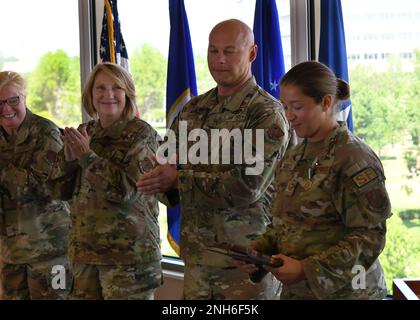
112	47
268	67
332	50
181	86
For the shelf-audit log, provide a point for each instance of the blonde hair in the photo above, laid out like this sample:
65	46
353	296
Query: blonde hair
122	78
14	79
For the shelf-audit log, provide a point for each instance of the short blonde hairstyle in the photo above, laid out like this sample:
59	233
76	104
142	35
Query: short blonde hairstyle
122	78
14	79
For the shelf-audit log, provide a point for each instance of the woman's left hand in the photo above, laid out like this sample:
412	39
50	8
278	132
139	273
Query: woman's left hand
77	141
290	272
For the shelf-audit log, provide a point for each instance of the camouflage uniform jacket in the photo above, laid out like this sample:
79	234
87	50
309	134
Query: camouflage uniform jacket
330	210
220	202
33	226
111	223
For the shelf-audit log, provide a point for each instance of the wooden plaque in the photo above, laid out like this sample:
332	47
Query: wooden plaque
406	289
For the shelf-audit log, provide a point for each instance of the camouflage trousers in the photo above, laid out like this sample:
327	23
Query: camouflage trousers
33	280
208	282
123	282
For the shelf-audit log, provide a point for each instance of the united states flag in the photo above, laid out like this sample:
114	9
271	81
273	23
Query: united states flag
112	47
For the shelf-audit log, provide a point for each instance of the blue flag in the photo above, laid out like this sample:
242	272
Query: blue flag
112	47
268	67
181	86
332	49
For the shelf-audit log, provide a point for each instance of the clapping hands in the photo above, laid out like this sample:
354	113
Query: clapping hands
76	143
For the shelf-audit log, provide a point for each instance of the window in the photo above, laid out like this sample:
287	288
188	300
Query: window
384	95
44	48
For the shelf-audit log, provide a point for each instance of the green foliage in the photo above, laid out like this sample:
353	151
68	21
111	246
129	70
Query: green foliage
377	100
398	257
72	98
386	157
409	214
385	107
205	81
407	189
54	88
158	114
148	68
410	156
412	112
411	115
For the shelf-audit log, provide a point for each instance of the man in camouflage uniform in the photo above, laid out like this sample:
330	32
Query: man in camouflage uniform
33	226
221	202
114	241
331	203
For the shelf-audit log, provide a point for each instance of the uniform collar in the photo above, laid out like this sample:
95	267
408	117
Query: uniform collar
23	131
233	102
328	142
114	131
332	137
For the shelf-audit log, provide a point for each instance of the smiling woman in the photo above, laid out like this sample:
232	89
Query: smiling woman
109	99
33	226
12	103
114	237
331	205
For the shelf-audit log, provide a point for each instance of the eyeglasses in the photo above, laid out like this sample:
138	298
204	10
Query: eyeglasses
12	101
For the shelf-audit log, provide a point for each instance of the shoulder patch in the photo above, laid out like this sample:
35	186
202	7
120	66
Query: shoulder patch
377	200
275	132
51	157
364	177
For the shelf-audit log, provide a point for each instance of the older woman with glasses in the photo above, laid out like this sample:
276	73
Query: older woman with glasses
33	226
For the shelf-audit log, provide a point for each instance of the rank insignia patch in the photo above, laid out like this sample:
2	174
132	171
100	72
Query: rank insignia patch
364	177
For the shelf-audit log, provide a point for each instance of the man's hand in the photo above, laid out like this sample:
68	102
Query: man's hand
161	178
290	272
245	266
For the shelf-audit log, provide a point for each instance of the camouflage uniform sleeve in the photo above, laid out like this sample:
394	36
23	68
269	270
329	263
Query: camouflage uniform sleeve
22	181
62	178
363	204
235	186
266	242
117	181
